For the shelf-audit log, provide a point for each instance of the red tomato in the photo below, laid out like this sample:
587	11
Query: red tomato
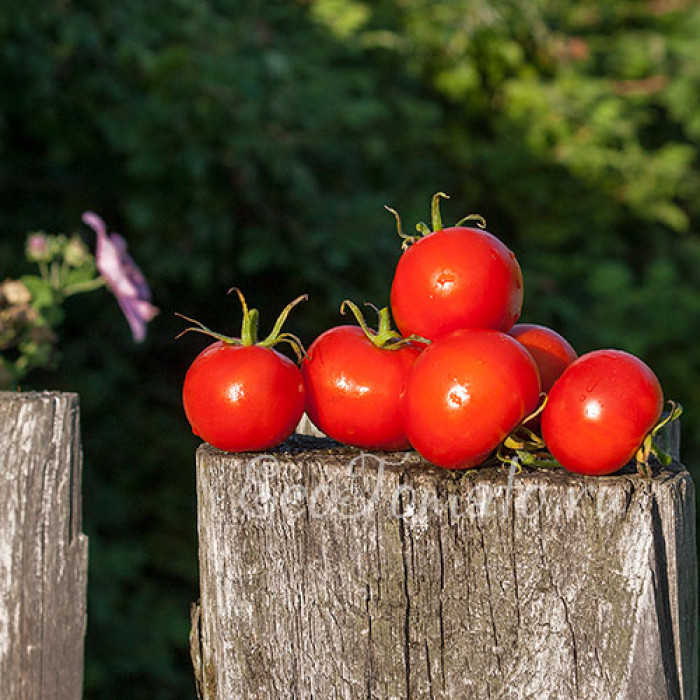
353	388
451	278
240	394
466	392
552	353
600	410
243	398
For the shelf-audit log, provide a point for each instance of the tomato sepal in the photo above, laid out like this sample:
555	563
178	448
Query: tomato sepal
249	328
423	230
385	337
650	446
524	447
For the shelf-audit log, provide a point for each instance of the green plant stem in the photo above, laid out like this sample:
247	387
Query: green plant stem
87	286
55	276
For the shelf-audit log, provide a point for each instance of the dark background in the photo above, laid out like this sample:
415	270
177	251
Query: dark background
236	142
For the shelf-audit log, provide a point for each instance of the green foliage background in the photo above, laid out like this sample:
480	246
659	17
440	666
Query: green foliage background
251	143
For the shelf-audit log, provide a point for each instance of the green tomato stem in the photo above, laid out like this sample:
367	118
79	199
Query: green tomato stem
385	337
422	229
249	328
435	217
249	325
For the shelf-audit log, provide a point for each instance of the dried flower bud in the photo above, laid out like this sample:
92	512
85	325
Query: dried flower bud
14	293
21	315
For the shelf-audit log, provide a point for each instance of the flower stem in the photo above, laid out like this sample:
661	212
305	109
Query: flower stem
87	286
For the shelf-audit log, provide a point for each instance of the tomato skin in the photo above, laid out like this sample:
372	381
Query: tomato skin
353	388
600	410
243	398
466	393
457	277
551	352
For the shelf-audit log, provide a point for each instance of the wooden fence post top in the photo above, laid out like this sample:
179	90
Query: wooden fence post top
37	396
331	572
43	393
311	450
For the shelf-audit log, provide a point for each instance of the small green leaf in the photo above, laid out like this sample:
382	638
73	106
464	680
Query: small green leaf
42	293
79	275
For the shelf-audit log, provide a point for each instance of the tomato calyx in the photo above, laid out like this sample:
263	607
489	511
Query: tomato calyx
385	337
423	229
650	446
249	328
523	446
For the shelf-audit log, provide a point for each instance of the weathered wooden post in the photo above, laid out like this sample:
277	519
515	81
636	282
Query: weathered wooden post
328	573
43	553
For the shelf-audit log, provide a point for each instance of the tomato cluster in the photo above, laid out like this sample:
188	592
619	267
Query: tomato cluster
460	381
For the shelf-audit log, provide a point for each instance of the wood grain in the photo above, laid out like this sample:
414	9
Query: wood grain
43	553
329	573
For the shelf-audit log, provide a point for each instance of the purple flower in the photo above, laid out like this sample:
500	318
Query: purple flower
122	276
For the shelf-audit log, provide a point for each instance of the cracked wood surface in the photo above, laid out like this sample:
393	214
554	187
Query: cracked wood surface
43	553
328	573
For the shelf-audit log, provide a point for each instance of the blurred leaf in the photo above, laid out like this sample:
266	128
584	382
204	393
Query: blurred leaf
42	294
